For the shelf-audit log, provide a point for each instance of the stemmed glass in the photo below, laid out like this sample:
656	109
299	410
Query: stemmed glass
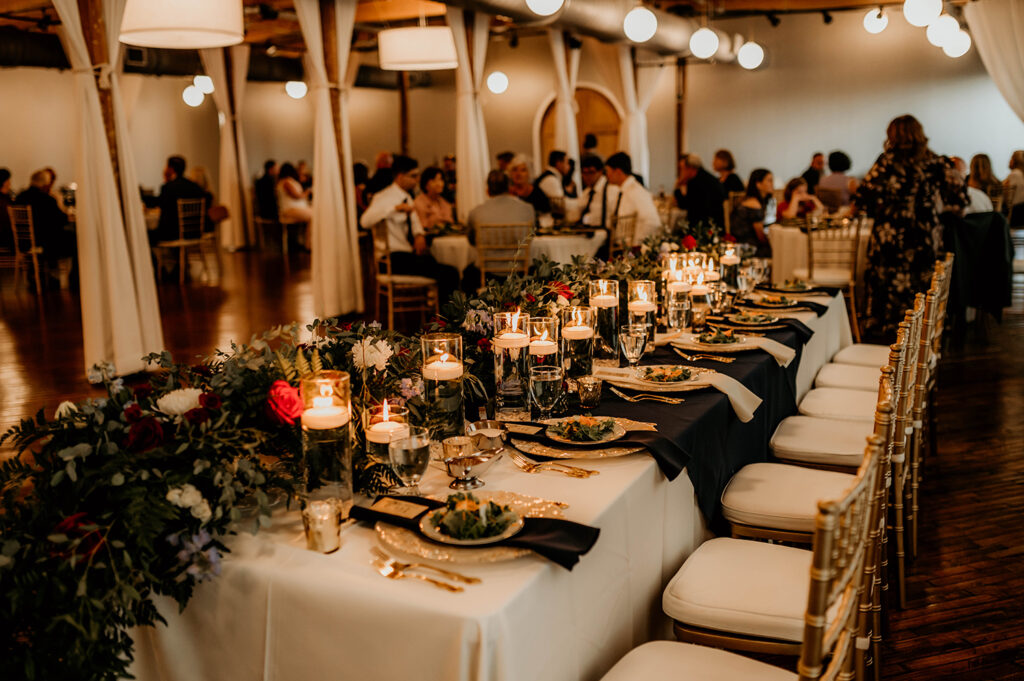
745	281
409	457
719	298
546	388
633	339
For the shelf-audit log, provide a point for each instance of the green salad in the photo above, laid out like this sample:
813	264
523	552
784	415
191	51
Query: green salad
744	318
667	374
466	517
778	301
794	285
583	429
719	337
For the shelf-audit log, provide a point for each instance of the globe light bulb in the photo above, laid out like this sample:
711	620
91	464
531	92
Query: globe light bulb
497	82
958	45
750	56
921	12
193	96
942	29
204	83
296	89
640	24
703	43
544	8
875	21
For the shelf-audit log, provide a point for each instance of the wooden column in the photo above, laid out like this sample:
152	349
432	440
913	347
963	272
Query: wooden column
680	106
403	112
95	33
329	22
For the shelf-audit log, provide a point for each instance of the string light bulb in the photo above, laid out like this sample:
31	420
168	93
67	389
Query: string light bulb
204	83
921	12
497	82
193	96
958	45
750	55
876	20
296	89
703	43
942	30
640	24
544	8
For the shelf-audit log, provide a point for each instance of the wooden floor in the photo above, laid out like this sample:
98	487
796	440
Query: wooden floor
965	615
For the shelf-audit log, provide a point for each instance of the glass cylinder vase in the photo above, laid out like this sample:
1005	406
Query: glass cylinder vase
729	268
327	439
543	341
577	343
442	384
604	298
511	344
382	424
643	307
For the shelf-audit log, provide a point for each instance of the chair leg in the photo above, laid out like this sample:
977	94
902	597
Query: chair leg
35	268
391	307
854	321
182	262
284	239
915	465
898	530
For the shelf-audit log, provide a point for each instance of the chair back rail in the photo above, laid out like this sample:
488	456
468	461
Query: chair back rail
833	246
24	232
190	218
623	233
503	248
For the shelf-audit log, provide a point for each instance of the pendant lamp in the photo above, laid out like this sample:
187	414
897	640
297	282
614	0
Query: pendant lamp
417	48
182	24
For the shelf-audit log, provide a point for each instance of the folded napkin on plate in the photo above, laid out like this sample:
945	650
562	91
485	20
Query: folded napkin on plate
560	541
818	308
803	332
783	354
743	401
670	457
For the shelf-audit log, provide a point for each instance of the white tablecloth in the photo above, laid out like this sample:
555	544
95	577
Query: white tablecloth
561	248
279	612
454	250
789	251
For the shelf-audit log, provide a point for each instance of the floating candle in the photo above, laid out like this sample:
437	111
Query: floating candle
730	258
511	339
543	346
442	369
678	287
324	418
642	306
581	332
604	301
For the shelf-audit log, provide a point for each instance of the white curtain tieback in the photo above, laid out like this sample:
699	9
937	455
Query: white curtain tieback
103	70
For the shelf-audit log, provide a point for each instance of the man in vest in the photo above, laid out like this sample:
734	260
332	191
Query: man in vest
599	197
552	183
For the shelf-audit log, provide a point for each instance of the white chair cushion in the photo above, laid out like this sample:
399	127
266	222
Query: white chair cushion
780	496
406	280
676	661
825	276
863	354
822	441
851	376
839	403
743	587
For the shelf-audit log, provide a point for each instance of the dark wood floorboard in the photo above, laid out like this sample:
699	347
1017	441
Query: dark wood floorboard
965	614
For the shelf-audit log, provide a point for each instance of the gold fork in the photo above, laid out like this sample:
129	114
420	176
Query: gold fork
694	358
640	397
391	571
402	567
527	466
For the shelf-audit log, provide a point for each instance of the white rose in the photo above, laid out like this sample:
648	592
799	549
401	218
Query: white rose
66	410
562	301
174	496
201	511
190	496
177	402
384	353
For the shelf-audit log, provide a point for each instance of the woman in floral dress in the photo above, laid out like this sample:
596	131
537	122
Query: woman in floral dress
904	192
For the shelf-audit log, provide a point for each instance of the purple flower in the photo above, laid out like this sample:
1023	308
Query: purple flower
202	563
410	388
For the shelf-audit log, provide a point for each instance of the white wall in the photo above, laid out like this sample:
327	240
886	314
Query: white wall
36	109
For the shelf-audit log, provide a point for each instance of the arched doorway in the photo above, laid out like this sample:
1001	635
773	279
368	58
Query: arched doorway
596	114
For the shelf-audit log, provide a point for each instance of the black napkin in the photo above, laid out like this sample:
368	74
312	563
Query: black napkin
670	457
826	290
817	308
560	541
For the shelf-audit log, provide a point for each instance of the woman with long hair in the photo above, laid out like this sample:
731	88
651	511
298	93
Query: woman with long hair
1016	180
983	178
292	200
900	192
725	165
747	220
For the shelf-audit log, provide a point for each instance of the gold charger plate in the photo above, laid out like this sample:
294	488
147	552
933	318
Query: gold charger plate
412	545
693	383
618	432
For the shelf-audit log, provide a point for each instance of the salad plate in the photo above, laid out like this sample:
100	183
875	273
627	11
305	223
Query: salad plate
585	430
467	520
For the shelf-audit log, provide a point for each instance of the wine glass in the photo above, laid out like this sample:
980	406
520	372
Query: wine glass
546	387
409	457
719	297
633	339
745	281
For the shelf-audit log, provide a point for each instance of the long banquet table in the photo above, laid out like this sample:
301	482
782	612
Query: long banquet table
280	612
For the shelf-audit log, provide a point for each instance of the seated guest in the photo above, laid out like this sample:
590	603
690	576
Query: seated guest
408	245
552	180
589	145
266	193
6	199
381	175
431	206
504	158
812	174
305	176
725	166
520	185
448	168
501	208
176	186
977	200
568	183
747	220
292	200
698	192
48	220
983	178
360	176
599	196
838	180
633	198
1016	180
797	203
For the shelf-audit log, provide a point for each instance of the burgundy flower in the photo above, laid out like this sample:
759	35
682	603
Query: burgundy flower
347	326
531	298
283	403
210	401
484	344
133	413
561	289
729	238
145	434
197	415
143	391
91	540
689	243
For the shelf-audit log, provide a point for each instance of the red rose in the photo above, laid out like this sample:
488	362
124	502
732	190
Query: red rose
133	413
283	403
91	540
729	238
143	391
197	415
530	297
145	434
484	344
689	243
561	289
210	401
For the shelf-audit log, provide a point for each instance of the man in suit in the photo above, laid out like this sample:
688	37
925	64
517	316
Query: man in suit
48	220
599	197
266	191
176	186
698	192
501	208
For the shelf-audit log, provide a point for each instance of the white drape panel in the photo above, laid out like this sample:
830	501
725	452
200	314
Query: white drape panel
120	311
997	27
637	95
232	230
567	137
337	287
471	152
239	78
352	70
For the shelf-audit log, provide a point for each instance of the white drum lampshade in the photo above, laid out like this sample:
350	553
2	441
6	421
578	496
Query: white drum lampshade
875	21
921	12
182	24
640	24
417	48
703	43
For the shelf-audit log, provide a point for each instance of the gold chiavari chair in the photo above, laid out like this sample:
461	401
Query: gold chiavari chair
833	260
503	249
739	594
25	248
191	213
623	233
403	292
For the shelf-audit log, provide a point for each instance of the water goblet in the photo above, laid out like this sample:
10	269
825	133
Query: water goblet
409	457
633	339
546	387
